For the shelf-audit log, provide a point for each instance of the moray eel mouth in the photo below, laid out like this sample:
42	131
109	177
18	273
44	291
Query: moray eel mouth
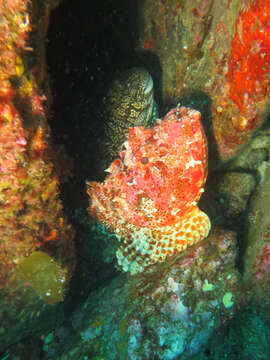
149	86
149	96
145	97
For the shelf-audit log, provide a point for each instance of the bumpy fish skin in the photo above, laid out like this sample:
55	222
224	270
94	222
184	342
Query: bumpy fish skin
149	199
128	103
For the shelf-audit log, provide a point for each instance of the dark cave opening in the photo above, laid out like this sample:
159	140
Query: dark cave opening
82	53
86	44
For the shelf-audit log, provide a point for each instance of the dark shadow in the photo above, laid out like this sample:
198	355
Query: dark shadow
87	42
86	45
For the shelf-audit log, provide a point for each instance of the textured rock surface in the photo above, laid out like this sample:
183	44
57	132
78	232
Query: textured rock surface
174	307
31	216
256	258
246	338
219	48
170	310
233	192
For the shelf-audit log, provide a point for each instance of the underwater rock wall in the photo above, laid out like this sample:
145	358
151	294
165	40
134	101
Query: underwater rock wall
36	257
219	48
257	247
174	307
168	311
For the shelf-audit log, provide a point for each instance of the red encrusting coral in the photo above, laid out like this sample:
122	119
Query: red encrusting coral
239	107
249	63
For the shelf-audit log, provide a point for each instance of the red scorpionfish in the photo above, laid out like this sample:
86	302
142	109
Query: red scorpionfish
149	198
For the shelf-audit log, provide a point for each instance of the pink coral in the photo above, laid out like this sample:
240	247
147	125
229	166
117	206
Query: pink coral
149	199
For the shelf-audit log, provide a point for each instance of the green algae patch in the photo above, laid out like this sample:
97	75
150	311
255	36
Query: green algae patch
98	322
227	300
121	346
207	286
44	275
123	326
97	346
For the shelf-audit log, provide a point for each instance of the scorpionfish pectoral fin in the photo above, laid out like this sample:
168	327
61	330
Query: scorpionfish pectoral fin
144	246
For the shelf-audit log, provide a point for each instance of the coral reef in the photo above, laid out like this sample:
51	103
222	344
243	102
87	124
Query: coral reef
245	338
214	56
182	30
240	106
256	257
149	199
165	313
238	197
219	48
232	190
31	215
